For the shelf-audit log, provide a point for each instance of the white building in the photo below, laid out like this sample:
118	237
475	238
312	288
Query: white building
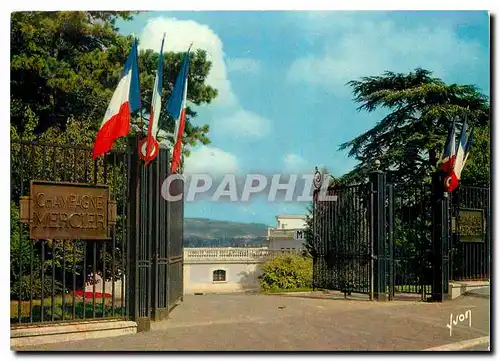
289	232
221	270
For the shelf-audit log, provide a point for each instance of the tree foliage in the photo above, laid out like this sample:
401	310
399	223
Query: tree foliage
65	66
286	272
64	69
409	140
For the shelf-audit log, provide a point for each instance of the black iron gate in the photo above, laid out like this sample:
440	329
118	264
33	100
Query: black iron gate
410	240
342	235
156	256
390	240
136	274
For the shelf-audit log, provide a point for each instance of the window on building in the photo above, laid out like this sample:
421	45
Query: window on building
283	226
219	275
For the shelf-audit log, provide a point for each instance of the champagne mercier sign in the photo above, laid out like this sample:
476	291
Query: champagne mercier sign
57	210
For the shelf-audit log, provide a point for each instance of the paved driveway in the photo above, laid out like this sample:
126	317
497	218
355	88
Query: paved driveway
298	323
480	292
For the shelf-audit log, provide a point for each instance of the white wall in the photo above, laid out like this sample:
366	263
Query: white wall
285	243
291	223
242	266
239	277
108	287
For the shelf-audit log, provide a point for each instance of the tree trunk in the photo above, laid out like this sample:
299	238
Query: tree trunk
432	158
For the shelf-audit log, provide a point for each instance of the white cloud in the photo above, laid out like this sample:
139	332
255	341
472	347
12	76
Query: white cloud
211	160
294	162
244	65
179	35
371	47
244	123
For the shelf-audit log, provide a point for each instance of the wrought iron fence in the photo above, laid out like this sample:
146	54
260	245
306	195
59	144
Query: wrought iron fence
64	280
395	239
470	233
137	273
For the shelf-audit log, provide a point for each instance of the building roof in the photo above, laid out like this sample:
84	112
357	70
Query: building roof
292	216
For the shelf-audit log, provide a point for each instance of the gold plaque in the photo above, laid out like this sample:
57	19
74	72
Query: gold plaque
471	225
59	210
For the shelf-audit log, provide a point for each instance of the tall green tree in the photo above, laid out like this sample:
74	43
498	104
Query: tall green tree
65	67
64	70
409	140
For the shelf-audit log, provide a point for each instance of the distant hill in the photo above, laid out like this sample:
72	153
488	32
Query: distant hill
203	232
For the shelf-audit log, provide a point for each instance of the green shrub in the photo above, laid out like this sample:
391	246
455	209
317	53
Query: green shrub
286	272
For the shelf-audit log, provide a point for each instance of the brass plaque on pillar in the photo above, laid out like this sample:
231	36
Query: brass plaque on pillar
471	225
59	210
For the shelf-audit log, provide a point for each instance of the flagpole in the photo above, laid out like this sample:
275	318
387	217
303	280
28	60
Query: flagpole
158	130
141	124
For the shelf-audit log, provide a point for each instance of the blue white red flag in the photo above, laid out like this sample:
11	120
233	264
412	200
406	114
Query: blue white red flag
125	100
451	182
149	146
449	149
468	146
176	107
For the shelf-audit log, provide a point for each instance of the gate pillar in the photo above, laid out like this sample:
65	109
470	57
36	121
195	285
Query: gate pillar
137	280
378	249
440	223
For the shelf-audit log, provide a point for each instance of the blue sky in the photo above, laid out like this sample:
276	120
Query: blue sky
283	103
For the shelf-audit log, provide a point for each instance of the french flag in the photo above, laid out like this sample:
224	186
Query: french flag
126	99
468	146
451	182
149	147
449	150
176	107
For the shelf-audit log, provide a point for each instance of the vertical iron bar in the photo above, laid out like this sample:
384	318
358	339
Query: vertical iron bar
113	270
103	278
85	168
85	279
74	280
19	292
94	247
54	163
391	240
64	165
32	256
44	163
33	176
64	280
52	298
372	255
150	239
154	191
113	248
95	171
42	276
126	238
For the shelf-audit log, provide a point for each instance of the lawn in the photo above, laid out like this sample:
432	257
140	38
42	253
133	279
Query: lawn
103	308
